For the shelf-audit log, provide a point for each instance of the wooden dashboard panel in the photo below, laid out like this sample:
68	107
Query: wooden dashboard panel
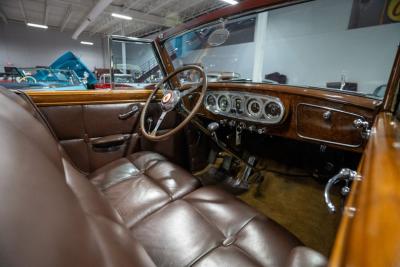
318	123
339	133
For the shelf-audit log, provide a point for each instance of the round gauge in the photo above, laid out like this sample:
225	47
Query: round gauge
272	110
223	103
254	107
211	101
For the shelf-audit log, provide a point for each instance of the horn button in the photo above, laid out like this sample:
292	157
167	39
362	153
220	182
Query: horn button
170	99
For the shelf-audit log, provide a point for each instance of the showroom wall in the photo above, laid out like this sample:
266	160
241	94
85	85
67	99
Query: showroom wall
23	46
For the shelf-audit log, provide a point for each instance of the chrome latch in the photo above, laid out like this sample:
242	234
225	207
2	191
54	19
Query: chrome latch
346	175
364	125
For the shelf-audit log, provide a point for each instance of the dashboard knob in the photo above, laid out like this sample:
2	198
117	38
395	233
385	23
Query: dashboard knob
223	122
261	130
232	123
252	128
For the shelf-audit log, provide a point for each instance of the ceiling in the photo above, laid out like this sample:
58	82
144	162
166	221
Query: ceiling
149	16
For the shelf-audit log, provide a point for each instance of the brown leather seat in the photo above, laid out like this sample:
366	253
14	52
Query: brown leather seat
151	212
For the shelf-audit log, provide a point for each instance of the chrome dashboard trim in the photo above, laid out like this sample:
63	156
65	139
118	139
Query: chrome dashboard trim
322	140
245	115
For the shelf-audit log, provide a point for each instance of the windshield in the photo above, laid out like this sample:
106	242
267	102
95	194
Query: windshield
340	45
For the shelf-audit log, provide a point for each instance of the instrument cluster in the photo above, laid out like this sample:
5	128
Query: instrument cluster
245	106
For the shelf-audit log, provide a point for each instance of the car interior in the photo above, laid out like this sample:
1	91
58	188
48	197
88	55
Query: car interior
200	168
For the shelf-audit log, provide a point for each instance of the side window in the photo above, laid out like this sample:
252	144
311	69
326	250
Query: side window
134	64
41	78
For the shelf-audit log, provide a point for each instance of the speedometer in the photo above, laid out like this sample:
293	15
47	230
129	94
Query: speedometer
211	101
223	103
254	107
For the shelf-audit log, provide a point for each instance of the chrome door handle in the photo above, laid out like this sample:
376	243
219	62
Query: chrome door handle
129	114
346	175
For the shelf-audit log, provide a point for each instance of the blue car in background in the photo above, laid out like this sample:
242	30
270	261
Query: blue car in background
66	73
42	79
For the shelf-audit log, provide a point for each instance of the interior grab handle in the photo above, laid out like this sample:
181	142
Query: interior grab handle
344	175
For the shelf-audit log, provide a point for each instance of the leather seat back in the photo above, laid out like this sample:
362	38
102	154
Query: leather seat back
50	214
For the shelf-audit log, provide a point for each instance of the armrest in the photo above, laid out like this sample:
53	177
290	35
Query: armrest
306	257
109	141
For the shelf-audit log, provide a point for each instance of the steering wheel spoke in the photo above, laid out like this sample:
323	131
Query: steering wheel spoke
160	120
192	89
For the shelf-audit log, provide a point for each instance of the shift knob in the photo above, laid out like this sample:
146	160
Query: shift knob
213	126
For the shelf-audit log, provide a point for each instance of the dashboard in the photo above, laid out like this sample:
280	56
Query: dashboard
245	106
326	117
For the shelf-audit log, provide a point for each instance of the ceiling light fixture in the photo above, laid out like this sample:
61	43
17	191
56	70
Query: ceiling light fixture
232	2
86	43
37	25
120	16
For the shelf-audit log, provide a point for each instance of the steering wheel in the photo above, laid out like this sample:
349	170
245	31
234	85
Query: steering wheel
26	78
170	99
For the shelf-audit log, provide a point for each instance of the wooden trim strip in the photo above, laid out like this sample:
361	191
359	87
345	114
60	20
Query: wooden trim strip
371	236
393	84
63	98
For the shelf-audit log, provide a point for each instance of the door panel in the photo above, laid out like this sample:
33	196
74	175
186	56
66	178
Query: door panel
78	125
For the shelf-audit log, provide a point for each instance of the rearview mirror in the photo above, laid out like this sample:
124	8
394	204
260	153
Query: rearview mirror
219	36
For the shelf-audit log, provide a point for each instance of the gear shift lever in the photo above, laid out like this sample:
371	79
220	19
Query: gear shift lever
213	126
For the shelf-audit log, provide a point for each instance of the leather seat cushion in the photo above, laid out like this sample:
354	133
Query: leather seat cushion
142	183
210	227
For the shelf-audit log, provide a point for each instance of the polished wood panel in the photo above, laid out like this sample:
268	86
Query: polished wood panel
60	98
328	125
292	97
335	96
371	235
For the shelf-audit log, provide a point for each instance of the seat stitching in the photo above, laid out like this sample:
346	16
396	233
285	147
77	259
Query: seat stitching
204	255
204	217
245	224
150	214
248	255
169	193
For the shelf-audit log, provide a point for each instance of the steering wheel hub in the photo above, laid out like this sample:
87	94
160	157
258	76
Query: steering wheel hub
171	99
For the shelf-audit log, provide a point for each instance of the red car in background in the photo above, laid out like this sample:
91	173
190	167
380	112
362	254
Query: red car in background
121	80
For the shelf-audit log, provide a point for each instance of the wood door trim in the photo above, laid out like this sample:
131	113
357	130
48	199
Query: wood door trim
87	97
371	236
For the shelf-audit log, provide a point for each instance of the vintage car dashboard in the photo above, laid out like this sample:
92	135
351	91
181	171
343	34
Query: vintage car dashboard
245	106
324	117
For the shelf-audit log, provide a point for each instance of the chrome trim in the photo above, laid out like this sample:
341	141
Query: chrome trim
246	98
322	140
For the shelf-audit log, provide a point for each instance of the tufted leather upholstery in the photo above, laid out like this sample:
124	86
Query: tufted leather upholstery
143	211
142	183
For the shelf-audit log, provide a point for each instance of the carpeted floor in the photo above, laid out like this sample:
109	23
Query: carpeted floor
297	204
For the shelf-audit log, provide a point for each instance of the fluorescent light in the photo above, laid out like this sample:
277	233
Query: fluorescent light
37	25
232	2
120	16
86	43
